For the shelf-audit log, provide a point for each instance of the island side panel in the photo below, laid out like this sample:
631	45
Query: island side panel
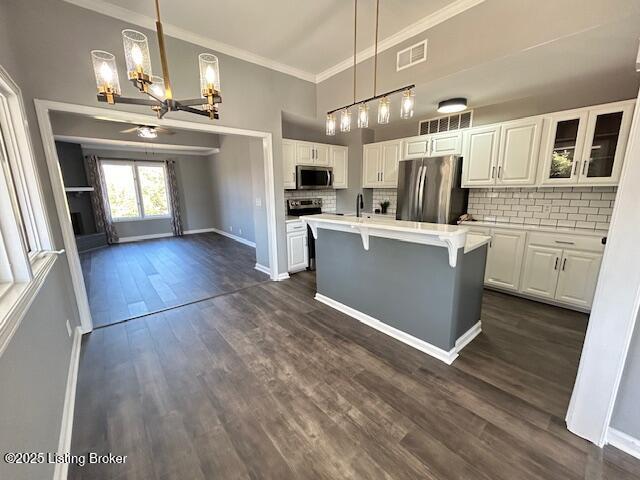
408	286
467	301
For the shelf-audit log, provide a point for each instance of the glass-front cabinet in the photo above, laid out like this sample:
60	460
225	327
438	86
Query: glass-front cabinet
586	146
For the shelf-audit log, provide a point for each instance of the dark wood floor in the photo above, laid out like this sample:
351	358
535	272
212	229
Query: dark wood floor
132	279
266	383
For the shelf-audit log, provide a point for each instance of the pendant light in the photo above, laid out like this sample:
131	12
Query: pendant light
384	111
363	115
406	107
331	124
345	121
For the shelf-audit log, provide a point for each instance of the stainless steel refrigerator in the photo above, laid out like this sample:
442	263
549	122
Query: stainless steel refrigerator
429	190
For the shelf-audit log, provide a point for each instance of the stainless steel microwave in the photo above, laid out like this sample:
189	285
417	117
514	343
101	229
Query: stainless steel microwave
310	177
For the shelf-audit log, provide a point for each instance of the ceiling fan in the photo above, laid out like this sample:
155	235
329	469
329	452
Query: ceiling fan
147	131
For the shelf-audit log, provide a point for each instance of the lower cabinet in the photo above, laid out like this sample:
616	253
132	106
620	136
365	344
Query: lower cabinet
297	251
504	259
578	278
541	271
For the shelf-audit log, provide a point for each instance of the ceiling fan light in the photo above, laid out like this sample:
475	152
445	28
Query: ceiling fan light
363	115
209	73
384	111
408	101
331	124
345	121
106	71
147	132
452	105
136	53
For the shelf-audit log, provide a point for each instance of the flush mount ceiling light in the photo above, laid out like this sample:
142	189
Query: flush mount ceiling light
147	132
138	60
384	104
452	105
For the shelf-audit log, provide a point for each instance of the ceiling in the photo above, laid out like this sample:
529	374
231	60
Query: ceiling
309	39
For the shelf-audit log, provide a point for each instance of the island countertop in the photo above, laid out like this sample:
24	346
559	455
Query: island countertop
452	237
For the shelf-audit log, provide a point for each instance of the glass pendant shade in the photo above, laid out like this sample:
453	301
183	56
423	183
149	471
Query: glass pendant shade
209	73
408	100
157	87
363	115
345	121
106	71
331	124
136	52
384	111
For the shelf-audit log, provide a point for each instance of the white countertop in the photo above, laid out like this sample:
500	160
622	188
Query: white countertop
452	237
537	228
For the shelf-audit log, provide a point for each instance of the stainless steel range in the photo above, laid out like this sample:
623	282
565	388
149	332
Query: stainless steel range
306	206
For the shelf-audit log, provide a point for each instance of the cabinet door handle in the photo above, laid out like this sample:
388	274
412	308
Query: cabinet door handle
564	264
565	242
493	172
575	168
555	267
584	166
500	171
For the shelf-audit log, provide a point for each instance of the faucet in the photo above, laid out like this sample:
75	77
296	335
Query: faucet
359	204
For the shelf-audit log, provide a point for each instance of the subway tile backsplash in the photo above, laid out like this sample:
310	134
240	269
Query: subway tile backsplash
381	194
567	207
328	198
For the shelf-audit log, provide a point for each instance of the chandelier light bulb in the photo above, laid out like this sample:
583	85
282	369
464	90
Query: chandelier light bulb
106	73
345	121
408	100
363	115
136	55
384	111
331	124
210	75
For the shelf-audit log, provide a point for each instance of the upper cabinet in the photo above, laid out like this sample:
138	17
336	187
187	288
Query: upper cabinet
380	164
480	156
434	145
296	152
586	146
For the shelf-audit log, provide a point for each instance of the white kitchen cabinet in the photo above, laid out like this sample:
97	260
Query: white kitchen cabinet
504	258
448	143
416	147
578	277
586	146
297	251
339	162
480	156
289	163
321	154
519	151
541	268
380	164
305	153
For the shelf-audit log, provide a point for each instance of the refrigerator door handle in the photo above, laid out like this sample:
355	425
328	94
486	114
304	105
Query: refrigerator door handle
416	195
422	176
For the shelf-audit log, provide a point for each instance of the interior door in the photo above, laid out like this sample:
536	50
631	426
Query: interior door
289	163
578	277
371	158
321	154
504	259
519	150
480	156
541	268
304	153
390	159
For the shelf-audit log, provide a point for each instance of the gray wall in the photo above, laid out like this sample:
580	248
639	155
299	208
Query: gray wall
194	185
625	415
232	179
33	375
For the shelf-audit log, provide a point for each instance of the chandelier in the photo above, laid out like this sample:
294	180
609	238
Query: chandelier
384	104
158	89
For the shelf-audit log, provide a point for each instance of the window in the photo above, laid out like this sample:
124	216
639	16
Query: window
136	190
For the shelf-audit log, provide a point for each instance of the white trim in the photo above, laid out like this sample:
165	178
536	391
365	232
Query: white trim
455	8
131	146
198	230
143	237
20	296
44	107
263	268
281	277
446	356
614	311
624	442
106	8
66	429
244	241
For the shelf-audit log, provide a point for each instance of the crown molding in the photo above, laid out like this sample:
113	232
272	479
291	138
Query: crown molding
108	144
105	8
425	23
149	23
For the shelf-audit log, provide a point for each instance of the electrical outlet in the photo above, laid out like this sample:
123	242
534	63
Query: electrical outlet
258	202
546	208
69	331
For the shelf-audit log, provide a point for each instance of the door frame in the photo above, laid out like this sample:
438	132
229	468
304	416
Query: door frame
45	107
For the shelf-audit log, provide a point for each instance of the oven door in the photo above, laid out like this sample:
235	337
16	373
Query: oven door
313	178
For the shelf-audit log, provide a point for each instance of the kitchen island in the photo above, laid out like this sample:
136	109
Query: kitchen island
420	283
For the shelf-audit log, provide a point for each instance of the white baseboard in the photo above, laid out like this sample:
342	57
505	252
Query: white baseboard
624	442
282	276
263	269
198	230
143	237
446	356
234	237
66	429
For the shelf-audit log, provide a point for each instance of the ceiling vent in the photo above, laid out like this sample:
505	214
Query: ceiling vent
456	121
411	56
